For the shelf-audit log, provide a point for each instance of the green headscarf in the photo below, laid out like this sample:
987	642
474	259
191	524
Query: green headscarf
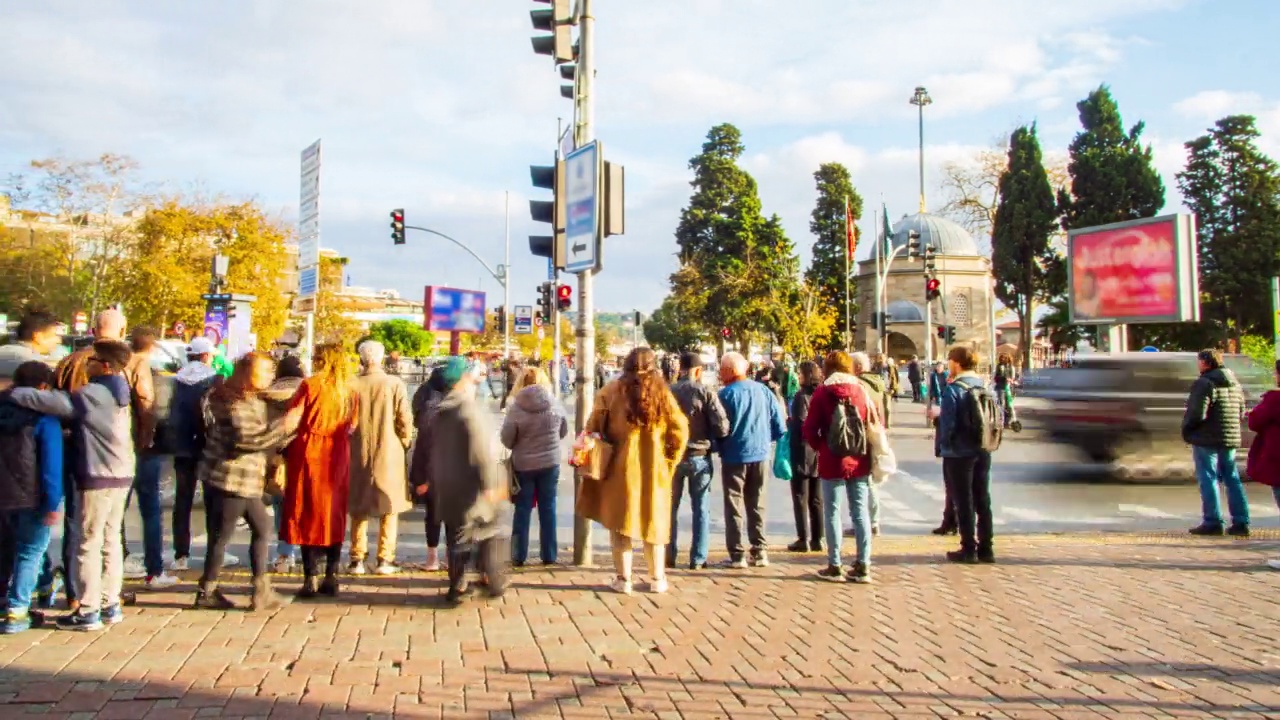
455	368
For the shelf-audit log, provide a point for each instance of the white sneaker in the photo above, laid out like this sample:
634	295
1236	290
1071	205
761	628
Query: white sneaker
283	564
433	560
180	564
357	568
387	569
1274	564
161	581
658	586
621	586
229	560
134	568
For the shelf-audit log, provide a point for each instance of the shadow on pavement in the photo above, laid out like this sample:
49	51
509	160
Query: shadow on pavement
1182	670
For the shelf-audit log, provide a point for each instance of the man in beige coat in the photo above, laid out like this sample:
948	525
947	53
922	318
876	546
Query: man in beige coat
379	487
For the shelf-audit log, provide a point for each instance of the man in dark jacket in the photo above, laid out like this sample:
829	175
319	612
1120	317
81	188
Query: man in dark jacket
915	376
708	423
187	432
1211	426
966	467
880	395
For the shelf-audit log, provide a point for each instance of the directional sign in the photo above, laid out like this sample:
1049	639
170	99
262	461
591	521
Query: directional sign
523	315
582	201
309	220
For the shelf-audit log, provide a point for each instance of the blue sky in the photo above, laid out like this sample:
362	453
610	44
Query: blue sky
439	107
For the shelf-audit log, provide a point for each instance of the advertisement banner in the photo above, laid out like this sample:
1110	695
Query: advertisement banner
1143	271
215	323
454	310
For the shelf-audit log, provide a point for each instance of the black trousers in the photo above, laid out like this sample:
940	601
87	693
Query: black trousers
433	523
744	482
969	484
224	510
806	504
185	472
313	554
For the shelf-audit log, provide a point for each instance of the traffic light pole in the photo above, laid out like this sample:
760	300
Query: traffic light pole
506	285
585	381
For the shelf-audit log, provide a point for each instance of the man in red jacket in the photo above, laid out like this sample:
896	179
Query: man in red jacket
848	474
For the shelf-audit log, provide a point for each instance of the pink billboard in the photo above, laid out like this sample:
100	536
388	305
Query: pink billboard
1134	272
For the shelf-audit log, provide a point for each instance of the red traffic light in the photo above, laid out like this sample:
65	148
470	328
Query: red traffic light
933	284
724	332
942	331
564	297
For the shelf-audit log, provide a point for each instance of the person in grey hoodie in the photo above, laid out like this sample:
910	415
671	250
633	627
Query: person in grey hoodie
534	426
104	466
1211	426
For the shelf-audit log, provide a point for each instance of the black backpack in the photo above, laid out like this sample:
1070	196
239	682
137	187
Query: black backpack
847	433
979	418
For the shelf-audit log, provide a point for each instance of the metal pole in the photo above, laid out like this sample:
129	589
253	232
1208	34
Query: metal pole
586	308
991	319
1275	313
506	286
555	333
879	288
848	320
309	342
921	106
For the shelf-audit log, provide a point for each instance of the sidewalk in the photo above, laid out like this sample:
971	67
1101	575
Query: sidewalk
1086	626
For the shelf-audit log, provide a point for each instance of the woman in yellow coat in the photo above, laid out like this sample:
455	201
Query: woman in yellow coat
640	417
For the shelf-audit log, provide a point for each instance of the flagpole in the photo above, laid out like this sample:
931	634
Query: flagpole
848	325
879	290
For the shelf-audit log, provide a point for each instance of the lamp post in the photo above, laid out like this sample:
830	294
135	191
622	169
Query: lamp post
921	98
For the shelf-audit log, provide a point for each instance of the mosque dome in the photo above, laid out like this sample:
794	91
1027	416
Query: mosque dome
904	311
946	236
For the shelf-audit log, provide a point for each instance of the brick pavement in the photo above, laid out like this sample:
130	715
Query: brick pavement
1065	627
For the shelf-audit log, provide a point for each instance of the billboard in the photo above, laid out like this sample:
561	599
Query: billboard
453	310
1140	271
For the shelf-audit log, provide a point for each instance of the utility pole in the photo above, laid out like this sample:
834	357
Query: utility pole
506	285
584	80
921	98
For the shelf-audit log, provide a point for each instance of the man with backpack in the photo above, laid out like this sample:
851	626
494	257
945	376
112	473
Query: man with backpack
970	424
837	428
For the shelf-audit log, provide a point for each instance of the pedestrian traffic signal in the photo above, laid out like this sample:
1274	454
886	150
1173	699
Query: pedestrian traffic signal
932	289
724	332
947	333
397	226
564	298
557	21
942	332
549	177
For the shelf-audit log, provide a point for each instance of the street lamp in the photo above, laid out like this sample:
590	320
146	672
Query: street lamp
921	98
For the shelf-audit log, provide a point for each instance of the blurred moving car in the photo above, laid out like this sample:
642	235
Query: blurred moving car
1125	409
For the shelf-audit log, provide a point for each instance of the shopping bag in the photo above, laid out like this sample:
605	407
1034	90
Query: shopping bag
782	457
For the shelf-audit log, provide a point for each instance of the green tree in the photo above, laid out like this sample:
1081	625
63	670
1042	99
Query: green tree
1055	326
403	336
333	323
1234	191
1112	176
828	268
742	262
1022	260
672	328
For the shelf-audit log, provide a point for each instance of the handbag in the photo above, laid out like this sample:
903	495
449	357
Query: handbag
884	463
599	454
782	457
513	482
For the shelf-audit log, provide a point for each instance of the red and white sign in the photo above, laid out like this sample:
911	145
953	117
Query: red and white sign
1142	271
80	322
179	328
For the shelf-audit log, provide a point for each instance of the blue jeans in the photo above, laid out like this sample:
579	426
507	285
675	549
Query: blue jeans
859	492
1214	465
30	541
695	473
283	549
146	483
542	485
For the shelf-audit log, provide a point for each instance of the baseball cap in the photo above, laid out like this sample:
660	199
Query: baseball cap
201	346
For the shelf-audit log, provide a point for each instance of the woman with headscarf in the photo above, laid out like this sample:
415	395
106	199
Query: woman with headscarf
318	464
640	418
806	486
425	402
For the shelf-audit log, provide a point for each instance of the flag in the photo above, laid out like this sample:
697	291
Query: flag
887	247
850	231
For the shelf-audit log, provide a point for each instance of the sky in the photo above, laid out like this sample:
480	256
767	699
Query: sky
440	107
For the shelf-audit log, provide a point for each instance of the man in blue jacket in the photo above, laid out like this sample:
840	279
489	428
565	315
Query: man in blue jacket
966	467
756	422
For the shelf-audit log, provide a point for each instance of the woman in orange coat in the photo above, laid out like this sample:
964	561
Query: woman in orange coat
318	466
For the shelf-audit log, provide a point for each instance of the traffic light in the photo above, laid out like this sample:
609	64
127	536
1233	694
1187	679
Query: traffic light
501	314
545	307
549	177
913	244
951	334
397	226
564	298
929	255
932	289
638	318
942	332
880	320
557	21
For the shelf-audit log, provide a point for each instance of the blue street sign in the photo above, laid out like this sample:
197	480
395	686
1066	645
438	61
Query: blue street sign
582	200
309	281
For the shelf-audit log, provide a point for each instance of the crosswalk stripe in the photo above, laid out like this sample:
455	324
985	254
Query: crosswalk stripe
1144	511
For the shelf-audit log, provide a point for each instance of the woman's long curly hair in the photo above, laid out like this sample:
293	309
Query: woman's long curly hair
644	389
